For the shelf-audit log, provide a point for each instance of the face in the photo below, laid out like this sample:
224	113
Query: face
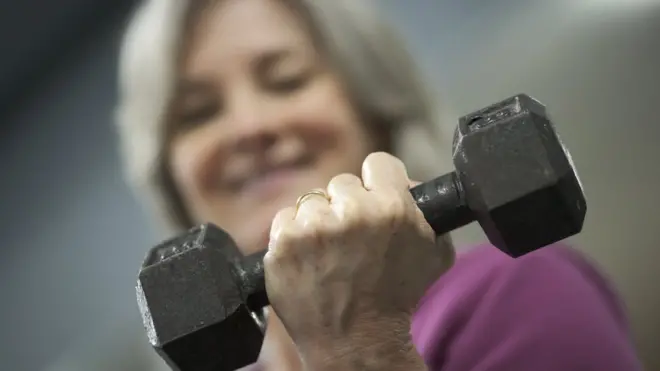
259	118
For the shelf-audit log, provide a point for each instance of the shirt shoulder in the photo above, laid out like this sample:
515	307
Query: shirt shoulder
492	308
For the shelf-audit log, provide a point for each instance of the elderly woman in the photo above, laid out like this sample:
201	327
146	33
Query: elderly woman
232	109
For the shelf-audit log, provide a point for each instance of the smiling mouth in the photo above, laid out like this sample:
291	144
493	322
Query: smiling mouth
271	180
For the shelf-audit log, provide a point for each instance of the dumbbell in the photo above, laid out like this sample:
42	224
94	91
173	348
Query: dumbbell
200	298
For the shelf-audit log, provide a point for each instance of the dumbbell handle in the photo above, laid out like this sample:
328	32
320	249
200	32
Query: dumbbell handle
441	200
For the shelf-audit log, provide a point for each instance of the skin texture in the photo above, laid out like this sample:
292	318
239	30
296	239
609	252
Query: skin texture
260	118
360	260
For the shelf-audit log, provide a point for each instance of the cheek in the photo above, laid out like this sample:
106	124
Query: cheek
182	164
187	158
328	113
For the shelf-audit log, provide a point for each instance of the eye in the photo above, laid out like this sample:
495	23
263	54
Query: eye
196	102
283	71
287	83
193	115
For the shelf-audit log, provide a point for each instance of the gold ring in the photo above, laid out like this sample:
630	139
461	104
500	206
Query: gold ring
313	192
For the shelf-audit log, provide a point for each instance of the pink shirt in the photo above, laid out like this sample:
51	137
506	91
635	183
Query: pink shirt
547	311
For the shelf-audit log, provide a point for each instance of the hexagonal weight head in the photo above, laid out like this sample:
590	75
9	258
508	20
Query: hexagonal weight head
192	305
518	177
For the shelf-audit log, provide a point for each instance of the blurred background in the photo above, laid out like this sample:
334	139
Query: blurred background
74	236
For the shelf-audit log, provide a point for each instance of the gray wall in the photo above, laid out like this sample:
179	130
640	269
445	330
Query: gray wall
74	236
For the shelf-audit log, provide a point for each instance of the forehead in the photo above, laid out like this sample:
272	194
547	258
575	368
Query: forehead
239	29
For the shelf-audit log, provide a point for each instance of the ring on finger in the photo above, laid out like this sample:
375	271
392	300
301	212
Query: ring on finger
313	192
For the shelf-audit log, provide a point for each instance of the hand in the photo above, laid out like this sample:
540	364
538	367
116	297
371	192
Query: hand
344	273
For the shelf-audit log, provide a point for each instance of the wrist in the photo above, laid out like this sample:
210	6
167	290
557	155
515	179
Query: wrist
381	347
375	357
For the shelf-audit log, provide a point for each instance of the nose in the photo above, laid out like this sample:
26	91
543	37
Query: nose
255	128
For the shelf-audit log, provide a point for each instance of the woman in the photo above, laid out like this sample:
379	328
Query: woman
232	109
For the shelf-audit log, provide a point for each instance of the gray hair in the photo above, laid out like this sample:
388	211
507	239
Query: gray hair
372	60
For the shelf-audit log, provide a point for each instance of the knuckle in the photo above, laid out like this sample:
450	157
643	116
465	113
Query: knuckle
349	209
271	259
284	237
378	156
343	179
281	220
311	225
312	217
393	202
381	157
286	247
394	208
283	214
308	209
280	255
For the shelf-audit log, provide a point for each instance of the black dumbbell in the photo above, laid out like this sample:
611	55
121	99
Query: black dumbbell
200	298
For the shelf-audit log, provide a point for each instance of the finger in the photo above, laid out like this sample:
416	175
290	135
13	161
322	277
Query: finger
282	221
425	227
382	171
346	192
314	209
413	183
345	185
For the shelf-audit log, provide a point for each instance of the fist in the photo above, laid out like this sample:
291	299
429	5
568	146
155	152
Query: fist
353	263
